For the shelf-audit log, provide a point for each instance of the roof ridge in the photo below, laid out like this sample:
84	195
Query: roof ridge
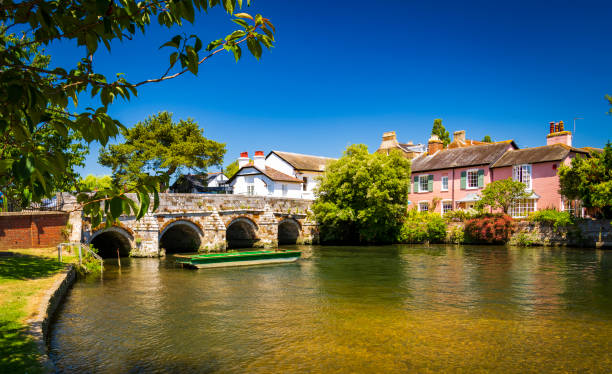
300	154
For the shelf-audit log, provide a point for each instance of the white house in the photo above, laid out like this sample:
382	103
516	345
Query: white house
278	174
217	179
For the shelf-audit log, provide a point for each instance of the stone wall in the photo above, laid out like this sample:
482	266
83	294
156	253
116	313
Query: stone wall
589	233
32	229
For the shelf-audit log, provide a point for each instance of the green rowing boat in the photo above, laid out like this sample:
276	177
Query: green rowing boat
215	260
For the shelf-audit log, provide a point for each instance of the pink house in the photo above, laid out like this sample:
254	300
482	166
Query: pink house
456	176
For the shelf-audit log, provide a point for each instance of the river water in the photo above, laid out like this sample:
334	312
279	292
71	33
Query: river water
346	310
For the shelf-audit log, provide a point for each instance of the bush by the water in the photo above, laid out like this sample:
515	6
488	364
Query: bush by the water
419	227
552	216
461	215
491	228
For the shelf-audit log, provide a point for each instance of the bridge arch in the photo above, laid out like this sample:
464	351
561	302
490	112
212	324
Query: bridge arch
108	240
181	235
288	231
241	232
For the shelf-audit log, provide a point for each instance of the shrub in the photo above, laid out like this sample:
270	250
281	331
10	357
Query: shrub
552	216
419	227
523	239
489	228
455	235
460	215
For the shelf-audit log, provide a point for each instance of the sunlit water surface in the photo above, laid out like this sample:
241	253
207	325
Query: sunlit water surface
347	309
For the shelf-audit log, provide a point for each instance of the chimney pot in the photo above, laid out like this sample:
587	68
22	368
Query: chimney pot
561	126
244	154
552	127
259	153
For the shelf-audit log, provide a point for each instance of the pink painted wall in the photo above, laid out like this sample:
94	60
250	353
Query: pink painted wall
454	185
545	183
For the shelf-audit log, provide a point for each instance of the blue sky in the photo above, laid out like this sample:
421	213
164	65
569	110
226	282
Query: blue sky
344	72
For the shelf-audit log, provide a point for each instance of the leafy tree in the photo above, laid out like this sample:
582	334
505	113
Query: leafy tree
159	145
502	194
363	197
487	139
438	129
52	152
35	96
231	169
589	180
95	182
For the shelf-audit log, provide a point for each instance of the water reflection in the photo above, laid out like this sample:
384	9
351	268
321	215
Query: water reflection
347	309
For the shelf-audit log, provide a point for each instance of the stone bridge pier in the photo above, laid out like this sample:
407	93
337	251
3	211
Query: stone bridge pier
208	223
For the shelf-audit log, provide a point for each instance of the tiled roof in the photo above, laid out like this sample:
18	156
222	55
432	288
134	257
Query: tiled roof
303	162
461	157
554	152
269	172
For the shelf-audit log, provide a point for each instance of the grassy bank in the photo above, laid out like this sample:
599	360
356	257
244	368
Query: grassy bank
24	279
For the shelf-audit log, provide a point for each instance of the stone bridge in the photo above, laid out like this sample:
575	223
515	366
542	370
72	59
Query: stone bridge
203	222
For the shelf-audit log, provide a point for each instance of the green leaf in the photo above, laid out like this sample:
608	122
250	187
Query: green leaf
116	207
241	22
237	52
254	47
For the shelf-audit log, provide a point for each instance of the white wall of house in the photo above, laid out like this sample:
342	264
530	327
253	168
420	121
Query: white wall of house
283	166
260	185
217	180
279	164
311	183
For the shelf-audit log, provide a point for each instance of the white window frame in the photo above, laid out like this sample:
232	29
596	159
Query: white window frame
518	172
423	202
467	179
523	211
426	178
442	188
566	206
450	202
250	188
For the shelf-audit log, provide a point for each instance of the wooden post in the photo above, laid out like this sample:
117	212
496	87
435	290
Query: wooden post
59	253
118	257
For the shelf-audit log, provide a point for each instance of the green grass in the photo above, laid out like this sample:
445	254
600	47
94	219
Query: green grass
23	281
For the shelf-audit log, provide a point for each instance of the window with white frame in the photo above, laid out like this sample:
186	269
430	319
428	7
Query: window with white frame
522	173
284	189
423	206
445	183
472	179
423	183
574	207
522	208
250	189
447	206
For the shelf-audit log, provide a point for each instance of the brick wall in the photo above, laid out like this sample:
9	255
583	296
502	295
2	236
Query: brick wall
31	229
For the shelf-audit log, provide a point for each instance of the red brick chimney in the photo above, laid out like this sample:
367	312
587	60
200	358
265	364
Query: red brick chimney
434	145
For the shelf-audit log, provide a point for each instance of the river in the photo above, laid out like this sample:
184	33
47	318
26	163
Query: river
346	310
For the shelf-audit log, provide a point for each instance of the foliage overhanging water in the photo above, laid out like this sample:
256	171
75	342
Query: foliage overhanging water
347	309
